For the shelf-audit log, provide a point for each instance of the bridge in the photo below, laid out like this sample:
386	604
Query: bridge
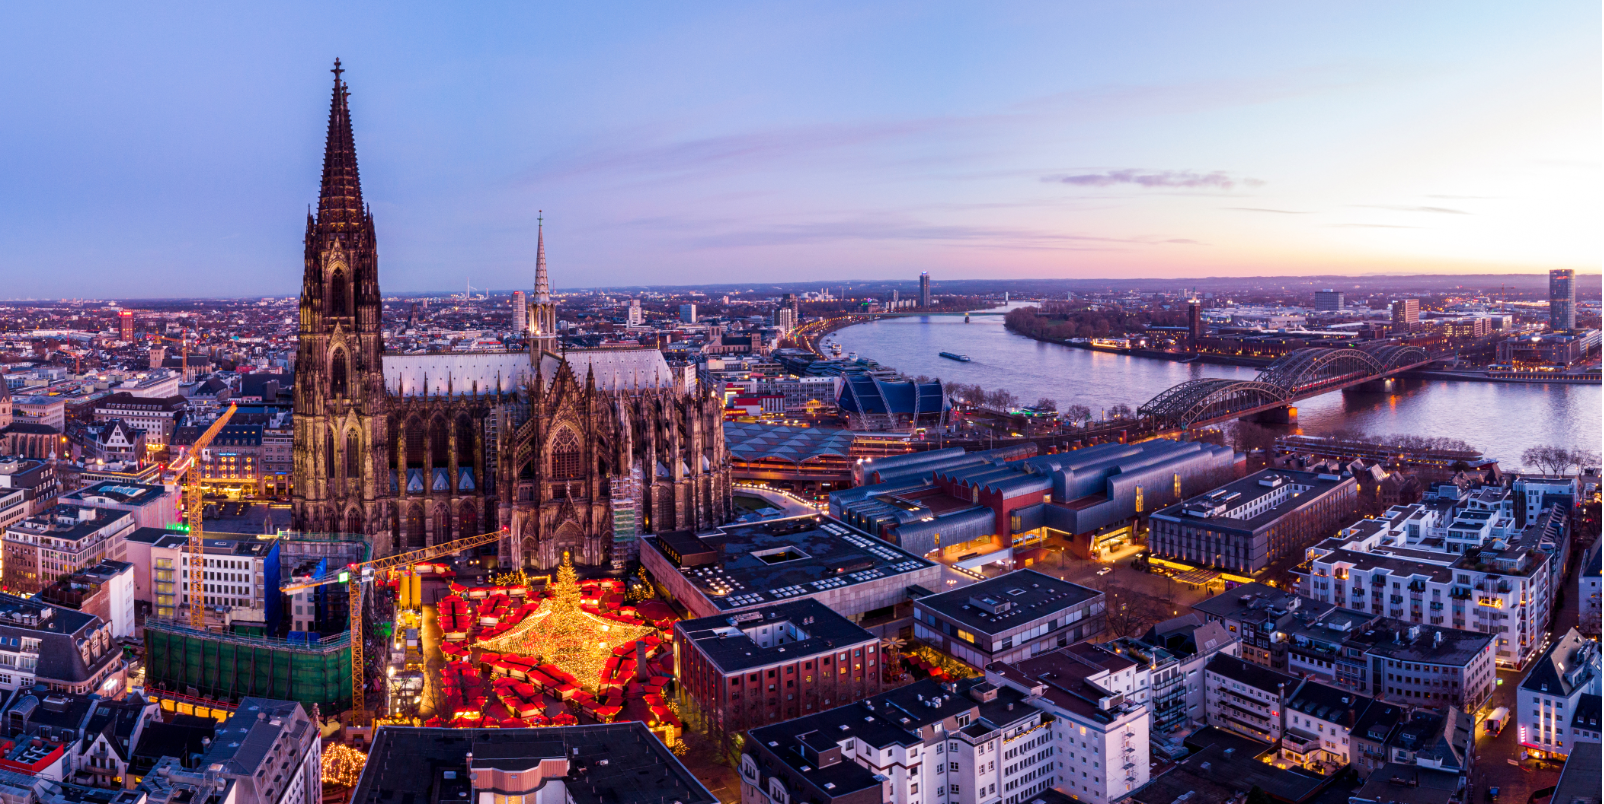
1294	376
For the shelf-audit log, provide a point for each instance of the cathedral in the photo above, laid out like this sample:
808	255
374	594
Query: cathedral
570	450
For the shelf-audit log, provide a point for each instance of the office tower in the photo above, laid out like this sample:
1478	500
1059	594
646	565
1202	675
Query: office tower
1561	299
520	311
784	319
924	289
125	318
1194	321
1328	300
894	297
687	313
1406	313
635	316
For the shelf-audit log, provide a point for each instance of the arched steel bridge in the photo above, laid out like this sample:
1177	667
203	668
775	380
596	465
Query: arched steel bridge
1294	376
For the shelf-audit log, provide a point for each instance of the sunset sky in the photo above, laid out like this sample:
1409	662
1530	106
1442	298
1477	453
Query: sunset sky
173	151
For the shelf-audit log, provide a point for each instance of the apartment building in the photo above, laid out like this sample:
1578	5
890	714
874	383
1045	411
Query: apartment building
1246	698
1169	660
1397	735
1589	609
272	753
1504	587
105	590
65	650
1246	525
156	417
79	738
775	663
1008	618
925	743
151	505
61	541
1319	726
36	479
1552	693
1258	615
239	579
1099	735
235	458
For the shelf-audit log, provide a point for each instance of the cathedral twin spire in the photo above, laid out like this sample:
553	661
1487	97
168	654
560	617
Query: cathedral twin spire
339	204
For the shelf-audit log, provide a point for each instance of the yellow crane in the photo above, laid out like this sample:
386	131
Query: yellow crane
355	576
194	506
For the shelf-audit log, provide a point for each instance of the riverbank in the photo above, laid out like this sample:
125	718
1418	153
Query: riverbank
1533	378
1156	354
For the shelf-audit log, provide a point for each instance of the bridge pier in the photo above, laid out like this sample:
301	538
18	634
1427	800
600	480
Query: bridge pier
1286	414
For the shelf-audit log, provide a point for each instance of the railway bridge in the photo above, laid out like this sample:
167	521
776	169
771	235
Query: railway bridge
1294	376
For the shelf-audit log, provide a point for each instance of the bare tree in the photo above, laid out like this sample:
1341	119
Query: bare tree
1046	404
1121	411
1077	414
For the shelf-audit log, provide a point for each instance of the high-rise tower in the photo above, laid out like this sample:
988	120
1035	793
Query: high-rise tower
339	389
924	290
543	314
1561	299
520	312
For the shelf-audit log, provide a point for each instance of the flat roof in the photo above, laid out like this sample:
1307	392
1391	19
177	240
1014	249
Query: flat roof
615	763
1238	494
725	641
1025	594
770	562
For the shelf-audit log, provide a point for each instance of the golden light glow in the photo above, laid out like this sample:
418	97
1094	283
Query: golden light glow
563	634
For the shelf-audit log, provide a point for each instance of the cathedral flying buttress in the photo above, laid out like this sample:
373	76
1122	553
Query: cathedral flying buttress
576	451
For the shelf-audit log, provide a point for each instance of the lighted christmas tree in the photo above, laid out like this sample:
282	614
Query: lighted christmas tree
563	634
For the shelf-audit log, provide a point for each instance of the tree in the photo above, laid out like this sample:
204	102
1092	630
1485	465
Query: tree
1077	414
1121	411
1547	459
1046	404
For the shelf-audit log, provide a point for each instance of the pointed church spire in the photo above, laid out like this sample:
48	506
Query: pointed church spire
340	205
542	281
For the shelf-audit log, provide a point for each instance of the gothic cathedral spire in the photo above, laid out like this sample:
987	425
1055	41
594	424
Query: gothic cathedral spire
339	386
543	335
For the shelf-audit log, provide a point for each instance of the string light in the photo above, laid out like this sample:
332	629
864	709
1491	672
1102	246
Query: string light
342	765
563	634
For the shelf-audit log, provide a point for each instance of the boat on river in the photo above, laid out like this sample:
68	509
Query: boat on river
957	357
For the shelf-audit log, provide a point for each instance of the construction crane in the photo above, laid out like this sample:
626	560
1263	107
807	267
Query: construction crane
194	506
355	576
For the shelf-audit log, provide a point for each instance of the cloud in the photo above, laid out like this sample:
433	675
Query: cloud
1185	241
1266	209
1190	179
1463	197
1440	210
1371	226
886	228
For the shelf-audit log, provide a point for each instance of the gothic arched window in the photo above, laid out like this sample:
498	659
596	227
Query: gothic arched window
353	458
566	460
464	441
337	373
353	522
414	438
338	298
440	442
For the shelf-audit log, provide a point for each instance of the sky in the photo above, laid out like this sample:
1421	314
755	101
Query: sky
172	150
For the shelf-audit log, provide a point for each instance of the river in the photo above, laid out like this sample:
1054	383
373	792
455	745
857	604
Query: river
1500	419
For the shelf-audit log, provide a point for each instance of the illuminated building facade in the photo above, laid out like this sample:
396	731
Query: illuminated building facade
418	449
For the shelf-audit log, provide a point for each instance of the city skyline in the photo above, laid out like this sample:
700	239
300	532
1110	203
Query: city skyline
175	161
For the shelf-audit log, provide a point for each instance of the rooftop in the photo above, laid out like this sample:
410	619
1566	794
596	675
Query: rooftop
1253	675
1242	505
803	628
118	493
1571	662
619	763
748	565
1578	781
1007	601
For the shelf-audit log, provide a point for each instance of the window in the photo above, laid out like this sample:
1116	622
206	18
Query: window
566	461
337	384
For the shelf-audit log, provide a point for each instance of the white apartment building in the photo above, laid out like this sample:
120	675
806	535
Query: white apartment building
1168	672
1590	612
61	541
1004	739
1246	698
1319	726
240	577
1550	695
1503	587
1100	737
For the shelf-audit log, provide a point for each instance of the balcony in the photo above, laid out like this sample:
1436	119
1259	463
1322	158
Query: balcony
1298	743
